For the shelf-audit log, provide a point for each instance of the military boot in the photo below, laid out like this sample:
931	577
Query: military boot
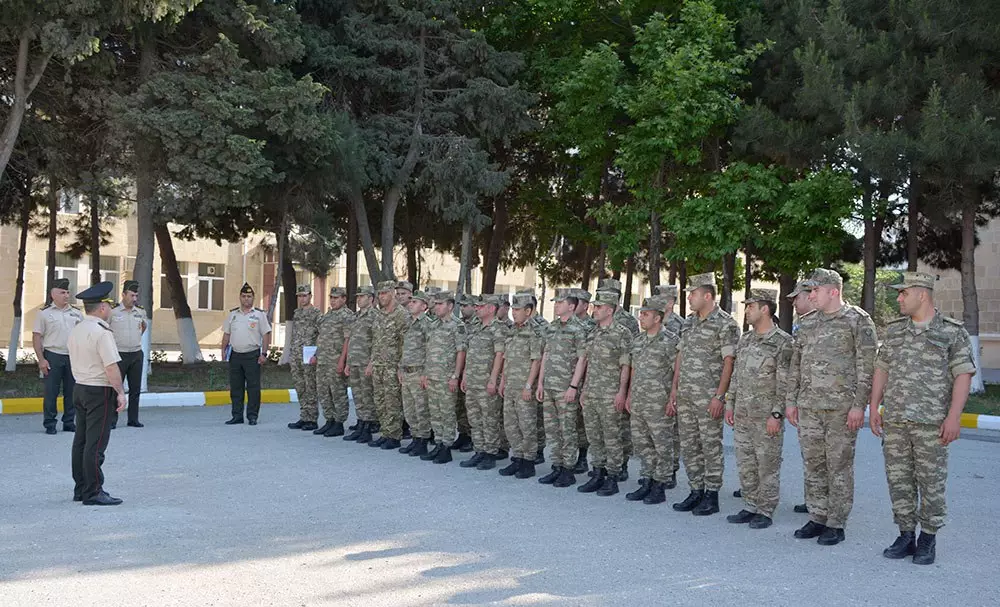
473	461
581	462
430	455
378	442
527	469
551	477
610	486
595	481
443	456
539	457
501	454
488	462
406	430
322	429
419	449
810	530
511	468
337	429
904	546
463	443
760	521
801	509
366	433
709	504
409	446
307	426
389	443
297	425
656	494
738	493
690	502
671	482
831	537
641	492
354	426
926	549
741	517
356	431
565	479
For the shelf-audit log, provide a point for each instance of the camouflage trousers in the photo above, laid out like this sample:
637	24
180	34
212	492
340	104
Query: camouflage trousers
332	389
604	430
520	420
916	466
653	440
442	404
363	393
462	414
758	459
701	443
581	430
675	442
486	418
828	452
560	427
304	377
415	408
388	401
541	425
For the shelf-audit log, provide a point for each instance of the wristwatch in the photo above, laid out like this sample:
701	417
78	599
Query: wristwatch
721	398
777	415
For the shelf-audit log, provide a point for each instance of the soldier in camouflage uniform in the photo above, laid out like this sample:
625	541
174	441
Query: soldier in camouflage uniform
467	309
411	372
481	384
541	325
606	365
624	318
924	369
305	330
565	342
404	292
829	382
503	312
756	408
522	359
330	381
444	364
582	314
802	305
391	323
356	356
675	324
702	372
652	362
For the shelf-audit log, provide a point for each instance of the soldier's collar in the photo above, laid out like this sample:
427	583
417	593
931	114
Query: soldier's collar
840	312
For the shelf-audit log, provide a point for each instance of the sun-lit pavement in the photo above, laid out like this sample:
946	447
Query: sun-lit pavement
221	515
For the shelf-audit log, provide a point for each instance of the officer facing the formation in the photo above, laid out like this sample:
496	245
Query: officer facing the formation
128	323
802	305
357	355
305	330
652	362
565	341
704	367
331	385
829	382
411	372
443	367
675	324
99	393
481	384
391	323
248	332
48	337
522	358
756	408
924	371
606	365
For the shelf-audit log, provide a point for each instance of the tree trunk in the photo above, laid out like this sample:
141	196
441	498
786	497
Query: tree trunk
290	283
24	85
874	220
360	212
186	334
352	261
970	297
672	275
588	261
682	276
281	241
53	228
913	224
27	206
464	258
145	186
491	265
655	239
728	271
410	237
95	243
747	277
786	311
629	274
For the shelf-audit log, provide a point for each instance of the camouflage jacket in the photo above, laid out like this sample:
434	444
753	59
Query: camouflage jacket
359	351
484	343
608	350
305	330
652	360
704	346
387	336
524	346
564	343
333	328
445	339
761	373
674	323
415	341
627	320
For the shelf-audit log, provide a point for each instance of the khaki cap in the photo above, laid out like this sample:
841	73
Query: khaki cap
562	294
369	290
825	276
666	291
303	290
522	301
338	292
654	304
802	286
403	284
700	280
386	285
609	284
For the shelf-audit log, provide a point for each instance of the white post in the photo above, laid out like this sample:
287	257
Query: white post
978	386
147	348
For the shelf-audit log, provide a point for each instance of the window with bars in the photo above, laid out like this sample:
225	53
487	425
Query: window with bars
68	268
211	286
166	302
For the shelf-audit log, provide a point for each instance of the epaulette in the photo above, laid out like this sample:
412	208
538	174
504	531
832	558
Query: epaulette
234	309
137	306
952	321
46	306
259	310
809	313
75	308
898	319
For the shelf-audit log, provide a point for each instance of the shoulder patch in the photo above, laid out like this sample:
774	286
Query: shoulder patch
952	321
898	319
46	306
138	306
259	310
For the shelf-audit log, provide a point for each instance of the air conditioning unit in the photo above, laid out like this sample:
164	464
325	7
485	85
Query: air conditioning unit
211	270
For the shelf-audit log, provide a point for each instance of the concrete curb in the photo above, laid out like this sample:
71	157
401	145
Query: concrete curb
24	406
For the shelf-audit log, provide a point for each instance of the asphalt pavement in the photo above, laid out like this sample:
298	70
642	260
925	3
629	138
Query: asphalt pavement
238	515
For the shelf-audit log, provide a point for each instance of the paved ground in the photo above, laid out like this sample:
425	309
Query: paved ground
219	515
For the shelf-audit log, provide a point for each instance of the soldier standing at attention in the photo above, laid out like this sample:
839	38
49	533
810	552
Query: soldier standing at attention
404	292
675	324
330	381
541	325
622	317
703	368
49	336
128	323
503	312
829	382
606	365
305	329
522	357
564	343
924	371
652	362
443	368
391	323
481	384
99	394
249	333
467	308
756	409
356	356
411	370
802	305
582	314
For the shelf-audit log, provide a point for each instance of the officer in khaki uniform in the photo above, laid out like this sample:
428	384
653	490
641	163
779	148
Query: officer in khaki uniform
48	337
128	323
99	394
924	372
248	331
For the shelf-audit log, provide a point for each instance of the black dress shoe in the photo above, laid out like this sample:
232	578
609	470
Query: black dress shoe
296	425
566	478
135	425
656	494
595	482
801	509
527	469
539	457
102	499
234	421
641	492
308	426
511	468
904	546
610	486
926	549
114	425
430	455
760	521
831	537
741	517
810	530
551	477
390	443
443	456
322	429
252	421
419	449
671	482
51	431
473	461
690	502
69	427
488	462
337	429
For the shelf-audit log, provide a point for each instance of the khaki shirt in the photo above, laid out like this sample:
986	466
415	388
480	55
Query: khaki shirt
54	325
92	347
127	327
246	330
704	347
761	373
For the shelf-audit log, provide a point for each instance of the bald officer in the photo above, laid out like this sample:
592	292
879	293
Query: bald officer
99	394
249	333
128	323
52	326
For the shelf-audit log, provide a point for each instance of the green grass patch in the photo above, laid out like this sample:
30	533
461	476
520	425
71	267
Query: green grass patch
987	403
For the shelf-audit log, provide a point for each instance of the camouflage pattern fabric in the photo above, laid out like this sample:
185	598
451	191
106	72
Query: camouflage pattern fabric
387	348
652	360
304	333
607	350
564	343
520	415
330	385
485	410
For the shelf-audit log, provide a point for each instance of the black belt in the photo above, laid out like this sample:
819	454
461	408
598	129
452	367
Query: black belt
254	353
412	369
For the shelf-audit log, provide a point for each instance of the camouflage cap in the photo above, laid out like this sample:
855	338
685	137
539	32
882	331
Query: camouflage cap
133	286
420	296
338	292
916	279
803	286
489	299
466	300
504	300
303	290
824	276
562	294
700	280
369	290
403	284
445	296
582	295
758	295
654	304
525	291
61	283
606	298
670	291
432	290
386	285
522	301
609	284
